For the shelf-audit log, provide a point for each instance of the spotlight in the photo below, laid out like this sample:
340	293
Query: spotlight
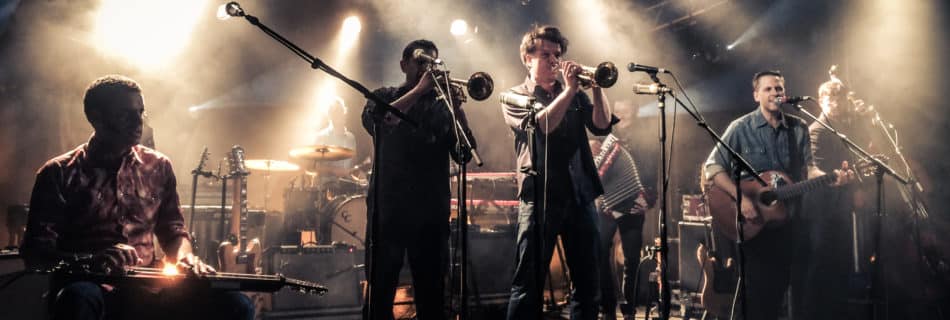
459	27
352	25
349	33
729	47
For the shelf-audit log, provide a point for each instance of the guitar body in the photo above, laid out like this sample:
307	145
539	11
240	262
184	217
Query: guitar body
722	206
229	255
716	303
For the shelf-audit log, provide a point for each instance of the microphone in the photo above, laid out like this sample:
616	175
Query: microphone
652	88
230	9
633	67
420	55
792	100
519	100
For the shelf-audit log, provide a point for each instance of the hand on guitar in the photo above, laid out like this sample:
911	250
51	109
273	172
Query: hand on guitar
194	265
116	258
748	209
844	175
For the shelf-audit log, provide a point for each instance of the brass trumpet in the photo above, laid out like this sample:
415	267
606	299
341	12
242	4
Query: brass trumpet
479	86
604	75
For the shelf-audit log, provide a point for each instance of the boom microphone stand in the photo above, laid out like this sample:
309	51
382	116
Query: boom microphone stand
464	149
739	165
881	169
233	9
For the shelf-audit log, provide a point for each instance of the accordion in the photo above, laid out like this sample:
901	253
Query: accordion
623	192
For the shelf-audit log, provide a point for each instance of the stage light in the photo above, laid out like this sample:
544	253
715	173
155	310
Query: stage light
349	33
144	33
459	27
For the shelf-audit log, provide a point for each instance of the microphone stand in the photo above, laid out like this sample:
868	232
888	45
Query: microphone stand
463	148
881	169
385	107
739	165
664	241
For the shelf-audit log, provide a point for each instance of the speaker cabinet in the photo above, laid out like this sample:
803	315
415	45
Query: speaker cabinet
339	268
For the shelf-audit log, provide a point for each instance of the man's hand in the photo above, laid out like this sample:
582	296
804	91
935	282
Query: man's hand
115	258
748	209
194	265
425	83
845	175
570	70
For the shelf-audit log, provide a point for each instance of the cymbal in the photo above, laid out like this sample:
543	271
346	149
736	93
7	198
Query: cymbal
322	153
270	165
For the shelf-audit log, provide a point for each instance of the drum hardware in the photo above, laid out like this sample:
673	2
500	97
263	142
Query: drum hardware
322	153
269	166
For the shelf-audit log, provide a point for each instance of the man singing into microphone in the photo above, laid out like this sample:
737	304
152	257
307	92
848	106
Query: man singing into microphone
558	181
769	140
413	184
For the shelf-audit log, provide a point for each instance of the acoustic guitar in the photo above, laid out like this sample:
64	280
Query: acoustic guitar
769	202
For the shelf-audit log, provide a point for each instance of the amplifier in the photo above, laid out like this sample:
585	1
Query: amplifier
339	268
24	297
690	271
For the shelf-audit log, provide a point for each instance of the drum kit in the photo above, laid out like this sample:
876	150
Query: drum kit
324	204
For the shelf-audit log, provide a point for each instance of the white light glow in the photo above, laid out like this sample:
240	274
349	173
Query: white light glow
146	33
350	32
459	27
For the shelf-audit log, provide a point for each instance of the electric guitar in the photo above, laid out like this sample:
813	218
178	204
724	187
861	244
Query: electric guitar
238	253
769	202
159	278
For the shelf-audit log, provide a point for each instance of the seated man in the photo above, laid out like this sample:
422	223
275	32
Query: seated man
108	199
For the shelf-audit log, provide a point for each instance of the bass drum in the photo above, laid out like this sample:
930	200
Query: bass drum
348	220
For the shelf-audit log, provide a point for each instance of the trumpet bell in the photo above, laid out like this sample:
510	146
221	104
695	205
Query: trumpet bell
480	86
606	74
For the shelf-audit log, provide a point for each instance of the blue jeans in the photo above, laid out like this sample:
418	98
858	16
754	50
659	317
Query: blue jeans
577	225
87	300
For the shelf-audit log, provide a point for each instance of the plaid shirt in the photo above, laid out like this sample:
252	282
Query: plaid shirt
80	206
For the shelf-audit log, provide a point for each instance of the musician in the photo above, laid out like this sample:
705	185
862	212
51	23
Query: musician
770	140
413	185
563	182
828	252
109	198
630	226
336	134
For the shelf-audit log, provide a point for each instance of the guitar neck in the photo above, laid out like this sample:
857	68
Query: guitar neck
800	188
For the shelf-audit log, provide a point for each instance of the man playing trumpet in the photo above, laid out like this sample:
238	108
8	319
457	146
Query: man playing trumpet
558	181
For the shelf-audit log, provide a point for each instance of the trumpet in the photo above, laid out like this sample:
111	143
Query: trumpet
604	75
479	86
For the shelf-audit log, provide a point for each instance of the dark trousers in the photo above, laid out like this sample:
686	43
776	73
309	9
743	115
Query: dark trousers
631	239
768	259
577	225
427	252
87	300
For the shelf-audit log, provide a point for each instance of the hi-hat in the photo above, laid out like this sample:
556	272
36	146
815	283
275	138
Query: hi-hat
322	153
270	165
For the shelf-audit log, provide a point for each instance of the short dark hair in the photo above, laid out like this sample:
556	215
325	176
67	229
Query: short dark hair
760	74
546	32
106	92
831	88
418	44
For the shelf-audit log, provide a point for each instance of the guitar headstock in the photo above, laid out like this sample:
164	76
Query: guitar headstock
305	286
236	161
867	168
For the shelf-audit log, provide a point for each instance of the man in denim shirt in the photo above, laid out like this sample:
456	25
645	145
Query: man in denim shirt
769	140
